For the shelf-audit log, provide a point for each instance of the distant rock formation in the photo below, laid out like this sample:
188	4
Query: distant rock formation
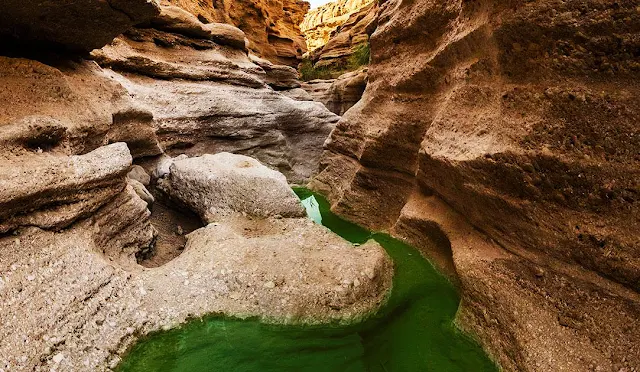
347	41
321	22
272	27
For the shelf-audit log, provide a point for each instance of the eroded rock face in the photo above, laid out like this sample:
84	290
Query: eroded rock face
227	100
321	22
217	185
522	117
98	301
59	189
272	27
53	23
340	94
67	107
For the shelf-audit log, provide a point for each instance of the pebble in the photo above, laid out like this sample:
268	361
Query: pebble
270	285
58	358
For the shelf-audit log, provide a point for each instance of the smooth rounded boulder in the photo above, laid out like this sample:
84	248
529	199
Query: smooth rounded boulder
218	185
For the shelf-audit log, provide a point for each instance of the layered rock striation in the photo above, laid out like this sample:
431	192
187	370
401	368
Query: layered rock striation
520	118
272	27
76	218
230	101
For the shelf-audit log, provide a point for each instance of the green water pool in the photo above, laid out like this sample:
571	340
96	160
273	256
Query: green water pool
412	332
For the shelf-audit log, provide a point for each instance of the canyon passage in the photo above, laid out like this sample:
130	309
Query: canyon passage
389	185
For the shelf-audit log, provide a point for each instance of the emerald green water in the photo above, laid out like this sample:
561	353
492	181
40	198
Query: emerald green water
412	332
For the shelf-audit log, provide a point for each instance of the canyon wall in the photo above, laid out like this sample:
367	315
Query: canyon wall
272	27
519	119
74	223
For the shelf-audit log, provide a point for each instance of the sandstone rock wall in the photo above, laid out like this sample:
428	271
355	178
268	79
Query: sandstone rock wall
272	27
227	99
522	117
73	225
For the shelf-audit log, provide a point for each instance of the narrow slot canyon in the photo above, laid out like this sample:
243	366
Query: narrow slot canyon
356	185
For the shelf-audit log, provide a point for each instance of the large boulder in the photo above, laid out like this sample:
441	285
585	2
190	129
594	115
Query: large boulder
78	25
218	185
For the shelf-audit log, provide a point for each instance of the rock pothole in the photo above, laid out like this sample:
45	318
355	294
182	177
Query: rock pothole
172	224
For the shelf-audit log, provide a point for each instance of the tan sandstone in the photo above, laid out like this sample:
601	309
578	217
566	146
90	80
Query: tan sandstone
521	117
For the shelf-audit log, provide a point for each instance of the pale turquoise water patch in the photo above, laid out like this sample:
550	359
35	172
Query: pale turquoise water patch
413	332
